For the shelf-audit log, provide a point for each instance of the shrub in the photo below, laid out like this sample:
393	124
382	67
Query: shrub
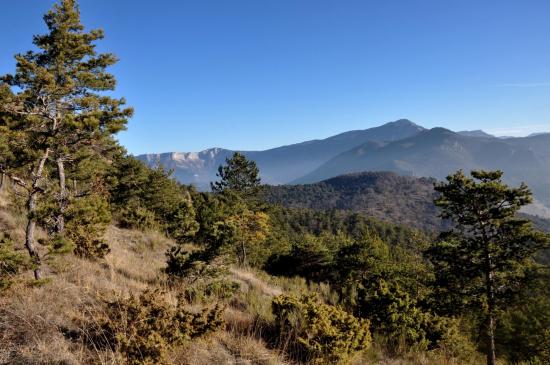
185	263
11	262
144	329
524	330
319	332
203	281
204	290
405	325
59	245
393	315
309	258
449	336
87	221
134	215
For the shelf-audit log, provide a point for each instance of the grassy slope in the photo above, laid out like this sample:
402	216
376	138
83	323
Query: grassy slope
40	324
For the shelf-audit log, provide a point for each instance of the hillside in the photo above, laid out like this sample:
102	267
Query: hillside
387	196
47	323
384	195
53	321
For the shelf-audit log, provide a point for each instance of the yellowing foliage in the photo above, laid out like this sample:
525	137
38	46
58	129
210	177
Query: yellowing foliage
319	333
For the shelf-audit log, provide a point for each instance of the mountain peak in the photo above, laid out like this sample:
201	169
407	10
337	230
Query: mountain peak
404	123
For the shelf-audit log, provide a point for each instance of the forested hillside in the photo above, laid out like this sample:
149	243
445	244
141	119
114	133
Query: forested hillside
384	195
105	260
387	196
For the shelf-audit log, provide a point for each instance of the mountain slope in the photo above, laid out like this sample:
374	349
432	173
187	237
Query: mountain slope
283	164
387	196
438	152
384	195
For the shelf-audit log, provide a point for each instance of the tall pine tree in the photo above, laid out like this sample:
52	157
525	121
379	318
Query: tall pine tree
239	176
61	105
481	262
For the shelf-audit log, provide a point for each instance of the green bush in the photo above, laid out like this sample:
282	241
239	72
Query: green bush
393	315
310	258
145	329
523	330
185	263
59	245
318	332
11	262
404	324
202	280
134	215
87	221
205	290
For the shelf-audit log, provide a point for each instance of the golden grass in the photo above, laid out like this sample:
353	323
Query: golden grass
36	323
42	324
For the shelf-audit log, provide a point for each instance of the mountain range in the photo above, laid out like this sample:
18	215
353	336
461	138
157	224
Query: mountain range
402	147
279	165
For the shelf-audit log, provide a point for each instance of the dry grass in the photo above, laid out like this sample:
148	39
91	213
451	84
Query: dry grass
250	279
42	324
37	323
228	348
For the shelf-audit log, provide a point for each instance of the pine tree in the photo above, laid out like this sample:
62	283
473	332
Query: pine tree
60	103
481	262
239	176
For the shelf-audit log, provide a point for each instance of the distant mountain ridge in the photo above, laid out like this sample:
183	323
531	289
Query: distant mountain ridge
282	164
476	133
402	147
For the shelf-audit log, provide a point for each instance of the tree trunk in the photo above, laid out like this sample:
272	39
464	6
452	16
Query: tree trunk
491	357
31	220
62	201
490	325
243	254
2	179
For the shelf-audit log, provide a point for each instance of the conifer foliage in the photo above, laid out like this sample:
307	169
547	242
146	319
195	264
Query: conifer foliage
59	111
239	175
482	261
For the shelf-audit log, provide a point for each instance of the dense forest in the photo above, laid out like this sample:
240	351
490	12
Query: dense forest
104	260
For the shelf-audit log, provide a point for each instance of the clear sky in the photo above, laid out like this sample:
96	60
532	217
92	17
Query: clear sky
254	74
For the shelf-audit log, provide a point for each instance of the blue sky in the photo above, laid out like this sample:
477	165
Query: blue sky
254	74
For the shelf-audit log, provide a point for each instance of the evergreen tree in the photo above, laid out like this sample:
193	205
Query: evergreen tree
60	104
240	176
481	262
